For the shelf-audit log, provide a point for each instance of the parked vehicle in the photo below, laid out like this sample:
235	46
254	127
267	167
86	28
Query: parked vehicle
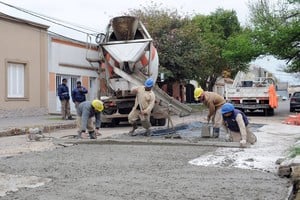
295	102
250	92
128	57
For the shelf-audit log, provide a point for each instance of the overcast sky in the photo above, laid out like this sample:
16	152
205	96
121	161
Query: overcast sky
95	14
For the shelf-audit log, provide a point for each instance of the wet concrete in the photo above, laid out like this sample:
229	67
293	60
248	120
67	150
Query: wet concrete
137	172
103	170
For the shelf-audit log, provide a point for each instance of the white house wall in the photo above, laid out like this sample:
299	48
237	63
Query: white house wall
68	59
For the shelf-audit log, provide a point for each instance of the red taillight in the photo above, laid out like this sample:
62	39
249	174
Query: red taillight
112	104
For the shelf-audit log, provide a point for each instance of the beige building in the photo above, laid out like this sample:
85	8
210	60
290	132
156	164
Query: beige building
23	67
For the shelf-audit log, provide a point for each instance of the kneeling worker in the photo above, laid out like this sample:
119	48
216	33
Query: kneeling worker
237	123
85	112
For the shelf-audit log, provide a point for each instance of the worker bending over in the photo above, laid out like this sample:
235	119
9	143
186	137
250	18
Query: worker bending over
85	113
236	123
214	103
144	103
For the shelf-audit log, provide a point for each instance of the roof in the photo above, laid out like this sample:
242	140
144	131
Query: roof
22	21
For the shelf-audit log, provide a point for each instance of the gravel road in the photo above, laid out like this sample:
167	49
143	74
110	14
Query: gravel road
43	171
114	172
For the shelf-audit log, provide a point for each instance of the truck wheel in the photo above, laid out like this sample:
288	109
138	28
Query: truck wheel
162	122
157	122
115	122
270	112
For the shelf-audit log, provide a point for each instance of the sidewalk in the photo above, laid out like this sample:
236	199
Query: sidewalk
46	123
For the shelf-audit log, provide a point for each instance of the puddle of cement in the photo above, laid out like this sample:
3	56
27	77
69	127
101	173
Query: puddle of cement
193	130
12	183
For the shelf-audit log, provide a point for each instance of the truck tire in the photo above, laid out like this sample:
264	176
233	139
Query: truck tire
162	122
157	122
270	112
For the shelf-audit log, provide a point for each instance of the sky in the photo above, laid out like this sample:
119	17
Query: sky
94	16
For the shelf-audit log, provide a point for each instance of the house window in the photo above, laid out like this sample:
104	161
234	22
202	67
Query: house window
16	76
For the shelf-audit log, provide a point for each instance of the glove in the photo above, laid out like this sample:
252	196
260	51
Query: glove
206	119
243	143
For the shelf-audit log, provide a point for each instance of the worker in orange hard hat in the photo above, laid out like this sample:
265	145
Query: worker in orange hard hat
214	103
144	103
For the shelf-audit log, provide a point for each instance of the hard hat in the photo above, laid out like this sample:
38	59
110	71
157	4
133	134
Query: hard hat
149	82
98	105
197	92
226	108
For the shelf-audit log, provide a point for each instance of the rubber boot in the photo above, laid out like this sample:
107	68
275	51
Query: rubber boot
79	134
92	135
148	132
134	127
216	132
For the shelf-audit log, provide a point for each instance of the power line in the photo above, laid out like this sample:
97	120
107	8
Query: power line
53	20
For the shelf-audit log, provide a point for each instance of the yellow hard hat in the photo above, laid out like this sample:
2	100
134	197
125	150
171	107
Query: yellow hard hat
197	92
98	105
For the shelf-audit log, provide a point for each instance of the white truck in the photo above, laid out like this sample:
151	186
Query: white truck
128	57
250	92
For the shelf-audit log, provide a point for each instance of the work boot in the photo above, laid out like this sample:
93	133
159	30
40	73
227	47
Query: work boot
92	135
216	132
70	118
148	132
134	127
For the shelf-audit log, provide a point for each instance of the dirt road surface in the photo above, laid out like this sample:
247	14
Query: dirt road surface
107	171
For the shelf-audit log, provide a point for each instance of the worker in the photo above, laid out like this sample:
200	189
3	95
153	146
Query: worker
214	103
78	94
236	123
64	97
85	113
144	103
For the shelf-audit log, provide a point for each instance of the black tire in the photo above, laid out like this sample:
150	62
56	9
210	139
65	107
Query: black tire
162	122
115	122
270	112
157	122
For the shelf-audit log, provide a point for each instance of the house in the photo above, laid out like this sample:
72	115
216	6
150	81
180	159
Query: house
33	63
23	67
68	59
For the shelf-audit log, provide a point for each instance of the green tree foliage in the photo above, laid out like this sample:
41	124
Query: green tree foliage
217	31
164	27
199	47
277	27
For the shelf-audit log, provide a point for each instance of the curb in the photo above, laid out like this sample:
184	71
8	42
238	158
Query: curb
43	128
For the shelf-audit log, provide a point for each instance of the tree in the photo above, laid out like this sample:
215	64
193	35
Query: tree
216	30
164	27
277	27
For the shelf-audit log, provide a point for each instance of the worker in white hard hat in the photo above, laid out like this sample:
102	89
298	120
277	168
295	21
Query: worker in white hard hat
214	103
85	113
144	103
236	123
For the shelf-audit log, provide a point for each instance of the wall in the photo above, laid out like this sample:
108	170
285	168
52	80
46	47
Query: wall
23	42
67	58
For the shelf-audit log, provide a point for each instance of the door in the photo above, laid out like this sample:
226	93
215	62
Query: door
71	84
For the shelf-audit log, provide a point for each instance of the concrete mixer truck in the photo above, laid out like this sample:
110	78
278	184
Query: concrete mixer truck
127	58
